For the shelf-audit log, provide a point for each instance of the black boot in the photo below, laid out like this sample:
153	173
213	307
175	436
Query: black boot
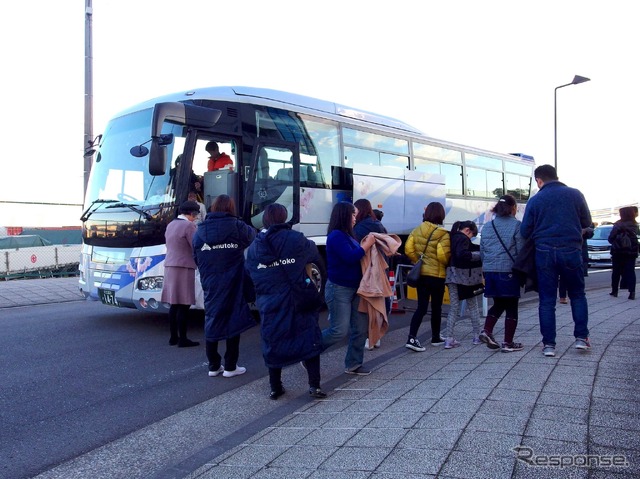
614	294
632	295
173	328
276	393
184	342
187	343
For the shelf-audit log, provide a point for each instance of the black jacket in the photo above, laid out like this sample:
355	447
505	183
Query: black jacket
622	229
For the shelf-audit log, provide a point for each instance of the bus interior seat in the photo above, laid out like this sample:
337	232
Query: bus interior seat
310	175
307	175
285	174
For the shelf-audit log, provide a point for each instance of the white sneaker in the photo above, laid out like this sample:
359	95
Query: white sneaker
219	371
370	348
236	372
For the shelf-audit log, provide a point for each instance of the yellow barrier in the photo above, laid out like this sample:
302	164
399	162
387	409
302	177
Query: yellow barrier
413	294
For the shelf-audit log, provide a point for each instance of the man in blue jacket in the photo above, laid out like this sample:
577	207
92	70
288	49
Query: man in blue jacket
554	219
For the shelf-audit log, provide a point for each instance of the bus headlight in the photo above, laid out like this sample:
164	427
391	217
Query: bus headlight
151	283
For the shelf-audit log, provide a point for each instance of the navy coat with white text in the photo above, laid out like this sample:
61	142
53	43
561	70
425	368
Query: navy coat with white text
218	249
277	257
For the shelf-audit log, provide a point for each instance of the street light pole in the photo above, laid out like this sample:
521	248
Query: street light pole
88	93
576	79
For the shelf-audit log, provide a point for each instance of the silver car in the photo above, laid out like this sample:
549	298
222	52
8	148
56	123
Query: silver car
599	248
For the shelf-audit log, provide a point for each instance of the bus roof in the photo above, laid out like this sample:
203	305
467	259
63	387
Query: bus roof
304	104
267	97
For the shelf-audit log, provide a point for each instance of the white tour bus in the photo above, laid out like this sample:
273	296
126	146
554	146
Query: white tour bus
304	153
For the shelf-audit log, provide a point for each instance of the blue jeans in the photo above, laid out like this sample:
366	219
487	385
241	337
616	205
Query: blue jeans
344	319
551	263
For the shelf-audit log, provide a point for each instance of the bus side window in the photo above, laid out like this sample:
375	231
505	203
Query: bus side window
342	178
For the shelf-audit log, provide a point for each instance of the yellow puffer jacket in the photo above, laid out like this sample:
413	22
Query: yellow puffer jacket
438	252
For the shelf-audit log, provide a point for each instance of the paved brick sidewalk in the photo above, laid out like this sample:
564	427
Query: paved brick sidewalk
460	413
27	292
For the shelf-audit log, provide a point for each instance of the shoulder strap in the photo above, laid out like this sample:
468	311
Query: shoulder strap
428	239
502	242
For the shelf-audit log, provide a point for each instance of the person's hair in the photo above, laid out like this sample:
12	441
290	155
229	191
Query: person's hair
504	206
192	193
189	207
628	213
434	213
460	225
545	173
212	146
274	214
342	218
364	210
378	214
224	204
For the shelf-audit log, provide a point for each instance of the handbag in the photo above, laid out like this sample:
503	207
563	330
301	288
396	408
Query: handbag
414	273
469	291
305	295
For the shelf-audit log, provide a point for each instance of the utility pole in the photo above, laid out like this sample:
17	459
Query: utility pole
88	93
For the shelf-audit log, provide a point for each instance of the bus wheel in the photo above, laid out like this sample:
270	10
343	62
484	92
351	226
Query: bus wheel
318	275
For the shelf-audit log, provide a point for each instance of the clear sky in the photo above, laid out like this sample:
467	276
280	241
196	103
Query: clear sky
480	73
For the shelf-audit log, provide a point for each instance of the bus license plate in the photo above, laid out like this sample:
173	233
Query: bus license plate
108	297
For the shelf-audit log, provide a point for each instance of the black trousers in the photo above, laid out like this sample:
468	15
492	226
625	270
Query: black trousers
623	267
313	372
429	288
230	355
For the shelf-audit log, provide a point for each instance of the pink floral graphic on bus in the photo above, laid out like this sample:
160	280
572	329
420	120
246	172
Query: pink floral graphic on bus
139	265
364	187
305	200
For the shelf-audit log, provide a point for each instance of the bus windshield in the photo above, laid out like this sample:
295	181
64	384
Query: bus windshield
118	175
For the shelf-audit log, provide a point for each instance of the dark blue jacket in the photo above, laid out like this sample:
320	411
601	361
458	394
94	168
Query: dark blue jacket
366	226
555	216
343	259
218	249
275	259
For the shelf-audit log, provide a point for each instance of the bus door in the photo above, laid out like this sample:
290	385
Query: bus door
222	180
272	177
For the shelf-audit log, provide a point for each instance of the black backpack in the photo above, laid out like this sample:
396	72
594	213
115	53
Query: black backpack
622	242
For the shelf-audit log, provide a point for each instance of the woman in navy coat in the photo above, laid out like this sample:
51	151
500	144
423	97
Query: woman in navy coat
218	249
276	259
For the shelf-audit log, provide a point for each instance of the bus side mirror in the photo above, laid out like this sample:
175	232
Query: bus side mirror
158	154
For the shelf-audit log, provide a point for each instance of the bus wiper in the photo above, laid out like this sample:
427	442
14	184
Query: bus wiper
86	213
132	208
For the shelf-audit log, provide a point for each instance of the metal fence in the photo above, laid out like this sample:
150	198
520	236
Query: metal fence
40	262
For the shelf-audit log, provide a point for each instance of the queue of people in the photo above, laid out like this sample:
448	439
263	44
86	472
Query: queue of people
276	272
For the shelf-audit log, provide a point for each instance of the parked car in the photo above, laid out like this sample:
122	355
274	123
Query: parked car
599	248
